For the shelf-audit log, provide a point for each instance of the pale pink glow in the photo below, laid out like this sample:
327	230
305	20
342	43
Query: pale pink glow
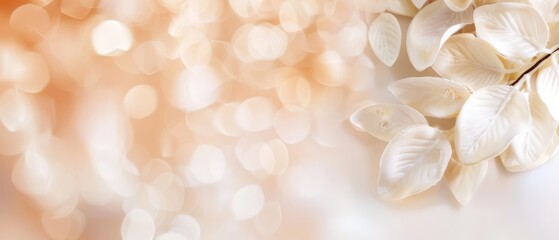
220	119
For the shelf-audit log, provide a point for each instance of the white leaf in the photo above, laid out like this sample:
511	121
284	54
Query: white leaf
553	34
470	61
430	28
529	146
13	110
385	37
384	121
458	5
547	85
418	3
548	9
514	166
413	161
432	96
479	3
464	180
515	30
402	7
549	152
489	121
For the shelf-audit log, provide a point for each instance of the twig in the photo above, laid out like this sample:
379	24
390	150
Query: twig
529	70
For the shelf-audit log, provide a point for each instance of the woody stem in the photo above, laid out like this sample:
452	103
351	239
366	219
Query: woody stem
533	67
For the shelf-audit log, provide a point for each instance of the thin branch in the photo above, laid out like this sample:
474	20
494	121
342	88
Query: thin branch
529	70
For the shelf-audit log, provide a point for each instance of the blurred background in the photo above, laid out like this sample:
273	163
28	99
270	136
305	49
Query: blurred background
216	119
